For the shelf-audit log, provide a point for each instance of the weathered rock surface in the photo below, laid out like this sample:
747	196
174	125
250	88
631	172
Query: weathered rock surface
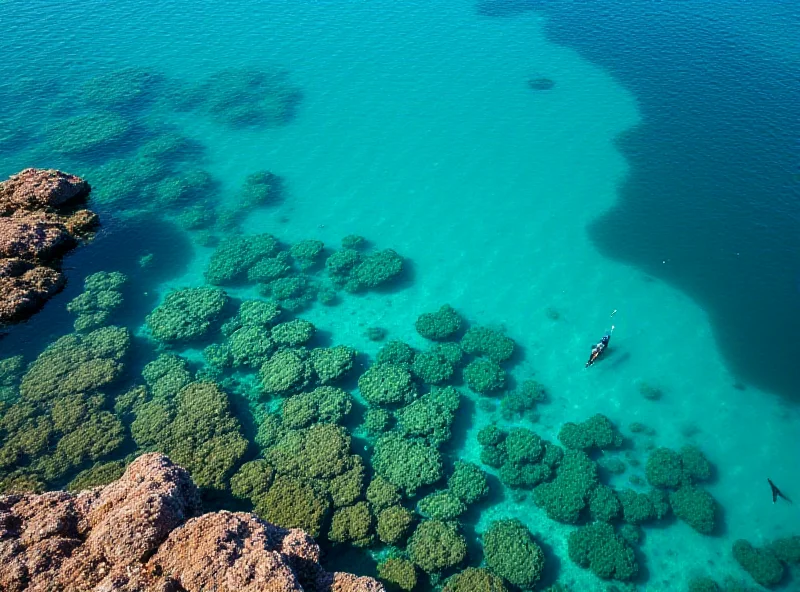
145	533
38	225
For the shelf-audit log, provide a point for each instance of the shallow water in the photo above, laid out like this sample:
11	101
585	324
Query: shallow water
417	129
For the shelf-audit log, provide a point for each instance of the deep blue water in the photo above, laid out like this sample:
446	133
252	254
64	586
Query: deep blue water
712	201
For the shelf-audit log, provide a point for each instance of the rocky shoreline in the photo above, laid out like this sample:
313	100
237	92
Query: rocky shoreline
40	221
146	533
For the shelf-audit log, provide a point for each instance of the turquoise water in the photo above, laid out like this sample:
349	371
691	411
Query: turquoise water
417	129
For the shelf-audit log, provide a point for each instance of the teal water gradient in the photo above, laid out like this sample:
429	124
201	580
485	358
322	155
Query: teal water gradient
418	130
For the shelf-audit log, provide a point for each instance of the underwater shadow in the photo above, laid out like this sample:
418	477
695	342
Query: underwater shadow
462	422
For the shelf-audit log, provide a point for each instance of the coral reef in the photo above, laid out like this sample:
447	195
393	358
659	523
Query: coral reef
438	325
512	553
186	314
146	532
436	546
39	223
597	547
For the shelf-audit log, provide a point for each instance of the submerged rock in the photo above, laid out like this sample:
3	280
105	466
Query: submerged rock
38	226
145	532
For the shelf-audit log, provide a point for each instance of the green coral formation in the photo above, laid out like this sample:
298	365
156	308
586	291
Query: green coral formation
595	432
75	364
348	488
441	505
196	429
252	312
511	552
293	333
636	507
332	363
294	503
762	565
439	325
186	314
59	424
101	296
166	375
97	475
786	549
253	479
387	384
696	507
451	352
436	546
565	497
394	524
432	368
269	269
396	353
352	524
85	134
468	483
492	344
286	372
597	547
524	459
376	421
670	469
430	416
325	404
319	452
475	579
398	572
235	256
484	376
349	269
382	494
604	505
306	252
374	270
406	464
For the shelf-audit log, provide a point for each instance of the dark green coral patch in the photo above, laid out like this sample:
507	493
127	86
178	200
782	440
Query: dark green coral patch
595	432
407	464
441	324
186	314
436	546
597	547
511	552
483	341
387	384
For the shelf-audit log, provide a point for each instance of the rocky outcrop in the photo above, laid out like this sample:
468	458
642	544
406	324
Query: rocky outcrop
145	533
39	223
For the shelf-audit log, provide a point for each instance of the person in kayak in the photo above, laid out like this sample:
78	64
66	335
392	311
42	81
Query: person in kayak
599	348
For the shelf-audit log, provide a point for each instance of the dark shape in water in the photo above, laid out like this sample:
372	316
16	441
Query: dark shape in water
599	348
709	204
776	493
541	83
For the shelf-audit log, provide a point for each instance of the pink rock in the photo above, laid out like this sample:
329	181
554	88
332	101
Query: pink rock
142	534
47	515
228	553
34	189
34	230
33	237
24	288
